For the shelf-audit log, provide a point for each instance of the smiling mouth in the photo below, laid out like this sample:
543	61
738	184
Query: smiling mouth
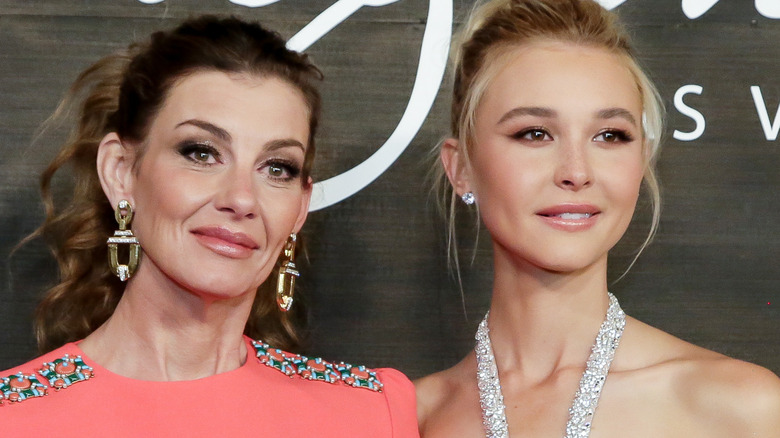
226	242
570	216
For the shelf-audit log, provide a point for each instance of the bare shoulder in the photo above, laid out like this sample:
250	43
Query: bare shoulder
734	397
734	394
448	402
434	390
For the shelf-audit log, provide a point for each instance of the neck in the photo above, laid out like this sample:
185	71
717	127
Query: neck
542	321
160	331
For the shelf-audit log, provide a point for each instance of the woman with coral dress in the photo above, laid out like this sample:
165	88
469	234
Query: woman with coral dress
191	156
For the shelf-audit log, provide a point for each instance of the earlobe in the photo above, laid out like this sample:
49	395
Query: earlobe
115	169
455	166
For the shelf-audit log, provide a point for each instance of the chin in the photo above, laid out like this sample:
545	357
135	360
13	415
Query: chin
218	288
567	263
563	268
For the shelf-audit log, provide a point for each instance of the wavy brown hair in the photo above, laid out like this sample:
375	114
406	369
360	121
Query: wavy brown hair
122	93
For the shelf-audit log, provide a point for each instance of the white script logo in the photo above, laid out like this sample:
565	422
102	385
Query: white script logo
694	9
430	72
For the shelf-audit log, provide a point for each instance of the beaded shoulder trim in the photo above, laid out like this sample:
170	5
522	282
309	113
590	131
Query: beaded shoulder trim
317	369
58	374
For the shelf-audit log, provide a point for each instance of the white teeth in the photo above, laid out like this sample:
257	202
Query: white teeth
574	216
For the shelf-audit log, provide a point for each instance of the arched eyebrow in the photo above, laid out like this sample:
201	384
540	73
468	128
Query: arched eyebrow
225	136
535	111
611	113
284	143
210	127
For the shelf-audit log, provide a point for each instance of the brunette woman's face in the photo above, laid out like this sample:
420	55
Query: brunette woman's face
557	162
218	188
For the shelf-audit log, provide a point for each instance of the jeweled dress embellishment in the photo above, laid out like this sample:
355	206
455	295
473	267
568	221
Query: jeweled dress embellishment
585	400
65	371
20	387
59	374
316	369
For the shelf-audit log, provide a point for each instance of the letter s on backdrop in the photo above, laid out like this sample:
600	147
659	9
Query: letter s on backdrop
690	112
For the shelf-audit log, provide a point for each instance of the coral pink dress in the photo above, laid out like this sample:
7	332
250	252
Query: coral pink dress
65	394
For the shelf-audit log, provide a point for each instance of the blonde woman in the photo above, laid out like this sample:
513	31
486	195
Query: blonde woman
555	128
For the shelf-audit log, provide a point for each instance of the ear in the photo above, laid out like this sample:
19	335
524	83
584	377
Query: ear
305	200
115	169
455	166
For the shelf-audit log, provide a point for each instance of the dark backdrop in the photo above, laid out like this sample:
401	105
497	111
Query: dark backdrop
376	281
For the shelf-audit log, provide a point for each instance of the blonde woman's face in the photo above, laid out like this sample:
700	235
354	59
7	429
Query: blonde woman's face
219	187
557	161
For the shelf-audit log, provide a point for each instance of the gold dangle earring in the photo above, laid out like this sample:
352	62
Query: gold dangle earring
123	236
287	274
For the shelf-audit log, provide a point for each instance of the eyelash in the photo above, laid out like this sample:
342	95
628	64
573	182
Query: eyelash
621	136
188	150
524	132
291	169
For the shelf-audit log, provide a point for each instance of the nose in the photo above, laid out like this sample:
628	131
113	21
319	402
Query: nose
237	195
573	171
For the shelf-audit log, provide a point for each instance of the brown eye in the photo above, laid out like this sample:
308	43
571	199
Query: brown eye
533	135
613	136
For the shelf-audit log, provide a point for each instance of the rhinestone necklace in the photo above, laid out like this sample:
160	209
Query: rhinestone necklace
585	400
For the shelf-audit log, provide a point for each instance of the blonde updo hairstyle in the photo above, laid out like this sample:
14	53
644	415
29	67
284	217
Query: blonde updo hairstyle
494	30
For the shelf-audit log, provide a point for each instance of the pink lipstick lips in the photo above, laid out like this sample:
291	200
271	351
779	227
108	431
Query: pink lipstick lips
570	217
225	242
